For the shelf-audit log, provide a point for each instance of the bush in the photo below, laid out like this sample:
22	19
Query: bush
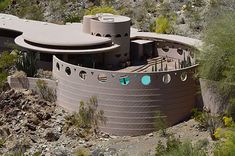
4	4
208	121
45	92
163	25
82	152
217	58
7	62
226	147
100	9
88	116
176	148
160	123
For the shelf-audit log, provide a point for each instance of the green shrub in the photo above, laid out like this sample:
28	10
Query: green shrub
207	121
226	147
217	57
88	117
82	152
2	142
4	4
163	25
74	17
45	92
100	9
176	148
7	62
160	123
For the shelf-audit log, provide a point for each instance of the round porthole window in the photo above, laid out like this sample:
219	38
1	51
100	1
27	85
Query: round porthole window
146	80
82	75
166	49
183	76
102	78
58	66
68	71
166	78
180	51
124	80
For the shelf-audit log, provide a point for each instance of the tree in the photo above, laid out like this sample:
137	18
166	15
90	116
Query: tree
217	57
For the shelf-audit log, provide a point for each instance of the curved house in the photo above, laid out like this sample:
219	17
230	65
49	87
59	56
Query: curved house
133	74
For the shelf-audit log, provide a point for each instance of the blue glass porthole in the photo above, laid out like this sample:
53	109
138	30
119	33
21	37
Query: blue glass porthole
124	80
146	80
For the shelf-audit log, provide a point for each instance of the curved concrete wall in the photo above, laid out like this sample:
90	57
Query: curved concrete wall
129	109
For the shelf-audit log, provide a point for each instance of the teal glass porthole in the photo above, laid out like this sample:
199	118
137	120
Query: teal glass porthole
124	80
146	80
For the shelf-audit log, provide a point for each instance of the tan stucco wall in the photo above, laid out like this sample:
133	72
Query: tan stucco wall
129	109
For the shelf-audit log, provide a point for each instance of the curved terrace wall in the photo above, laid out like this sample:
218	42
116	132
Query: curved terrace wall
130	108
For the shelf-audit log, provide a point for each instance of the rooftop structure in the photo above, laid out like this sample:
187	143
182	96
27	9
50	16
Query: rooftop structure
133	74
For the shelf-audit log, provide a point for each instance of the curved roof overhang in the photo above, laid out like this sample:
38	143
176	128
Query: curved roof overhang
195	43
20	41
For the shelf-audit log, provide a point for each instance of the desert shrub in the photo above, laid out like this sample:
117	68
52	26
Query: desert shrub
46	92
7	62
82	152
27	62
100	9
4	4
171	143
228	121
28	9
74	16
226	147
88	117
176	148
163	25
2	142
160	123
217	57
208	121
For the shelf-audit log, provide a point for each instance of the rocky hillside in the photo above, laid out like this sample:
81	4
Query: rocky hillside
182	17
31	125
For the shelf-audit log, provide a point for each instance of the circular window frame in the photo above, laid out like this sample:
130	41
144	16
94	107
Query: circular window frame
101	76
146	77
58	66
125	77
166	49
98	35
180	51
83	75
184	76
164	78
68	71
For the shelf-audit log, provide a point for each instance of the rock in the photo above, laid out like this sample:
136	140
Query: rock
105	135
150	135
52	136
31	126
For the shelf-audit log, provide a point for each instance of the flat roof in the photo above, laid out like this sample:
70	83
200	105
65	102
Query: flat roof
20	41
171	38
63	35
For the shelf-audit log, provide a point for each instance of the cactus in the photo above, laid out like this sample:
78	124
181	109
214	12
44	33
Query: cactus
27	62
